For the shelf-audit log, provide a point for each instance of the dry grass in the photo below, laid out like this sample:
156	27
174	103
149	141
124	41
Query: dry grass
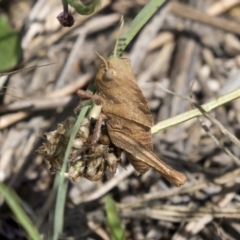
192	50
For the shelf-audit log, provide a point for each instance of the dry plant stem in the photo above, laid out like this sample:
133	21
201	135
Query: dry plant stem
221	7
10	119
70	60
223	130
197	225
196	112
225	149
24	160
110	184
71	88
181	74
25	69
98	230
194	227
188	188
178	213
140	48
214	121
36	104
40	104
156	68
231	136
91	26
162	39
185	11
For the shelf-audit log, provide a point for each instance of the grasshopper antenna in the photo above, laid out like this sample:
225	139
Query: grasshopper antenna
104	60
119	32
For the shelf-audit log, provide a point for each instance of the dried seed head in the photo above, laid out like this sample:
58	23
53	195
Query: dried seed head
85	121
100	150
105	140
52	136
112	162
78	143
76	170
92	162
66	125
84	131
54	149
95	169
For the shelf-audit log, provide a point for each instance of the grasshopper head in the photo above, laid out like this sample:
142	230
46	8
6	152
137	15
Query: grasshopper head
113	73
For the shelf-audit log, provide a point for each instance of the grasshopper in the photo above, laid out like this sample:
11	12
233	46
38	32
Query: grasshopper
127	116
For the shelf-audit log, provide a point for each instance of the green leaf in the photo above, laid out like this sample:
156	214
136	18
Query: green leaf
139	21
59	179
13	202
10	50
84	9
113	220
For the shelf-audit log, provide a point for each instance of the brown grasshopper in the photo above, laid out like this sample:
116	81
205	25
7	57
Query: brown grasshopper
127	116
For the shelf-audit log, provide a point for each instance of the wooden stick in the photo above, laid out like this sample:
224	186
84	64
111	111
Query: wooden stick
182	10
221	6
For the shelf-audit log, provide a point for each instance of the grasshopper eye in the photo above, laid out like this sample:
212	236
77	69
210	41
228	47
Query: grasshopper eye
109	75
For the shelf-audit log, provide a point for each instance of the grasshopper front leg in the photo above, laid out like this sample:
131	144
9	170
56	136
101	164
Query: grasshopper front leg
97	129
83	94
86	95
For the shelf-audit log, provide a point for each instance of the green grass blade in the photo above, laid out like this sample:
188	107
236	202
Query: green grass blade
62	188
139	21
10	48
59	207
13	202
62	185
208	107
113	220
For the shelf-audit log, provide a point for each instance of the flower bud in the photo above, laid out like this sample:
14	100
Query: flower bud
65	19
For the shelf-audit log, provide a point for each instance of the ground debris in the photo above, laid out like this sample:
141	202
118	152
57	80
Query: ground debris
195	51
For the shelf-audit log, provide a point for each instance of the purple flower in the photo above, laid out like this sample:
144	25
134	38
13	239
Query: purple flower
65	19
